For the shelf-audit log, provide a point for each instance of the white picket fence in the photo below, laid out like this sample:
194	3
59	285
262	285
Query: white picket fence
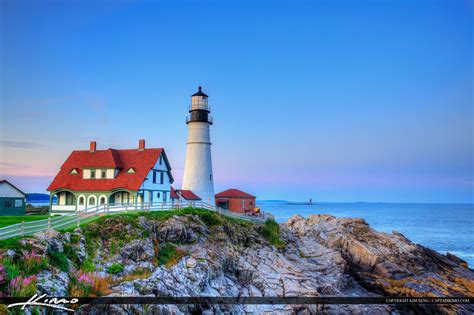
76	217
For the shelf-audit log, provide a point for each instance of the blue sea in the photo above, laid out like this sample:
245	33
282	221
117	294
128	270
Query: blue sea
441	227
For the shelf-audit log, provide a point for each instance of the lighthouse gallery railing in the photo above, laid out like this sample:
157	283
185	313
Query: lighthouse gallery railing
75	218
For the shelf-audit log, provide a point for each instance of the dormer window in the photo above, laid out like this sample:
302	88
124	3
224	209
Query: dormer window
92	173
131	170
73	171
103	174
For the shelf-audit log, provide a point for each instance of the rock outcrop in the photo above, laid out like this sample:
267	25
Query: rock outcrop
321	256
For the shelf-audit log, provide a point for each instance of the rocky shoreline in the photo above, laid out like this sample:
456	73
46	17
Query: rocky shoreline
202	254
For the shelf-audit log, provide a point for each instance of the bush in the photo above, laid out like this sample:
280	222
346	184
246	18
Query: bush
75	238
271	231
22	286
210	218
88	265
32	263
85	284
58	260
11	243
169	255
115	268
11	269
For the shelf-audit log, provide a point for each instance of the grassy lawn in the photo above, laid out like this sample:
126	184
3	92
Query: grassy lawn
9	220
210	218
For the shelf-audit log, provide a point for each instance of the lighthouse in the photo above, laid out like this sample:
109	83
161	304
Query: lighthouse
198	175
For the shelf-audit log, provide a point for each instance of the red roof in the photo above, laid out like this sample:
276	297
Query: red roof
185	194
141	161
234	193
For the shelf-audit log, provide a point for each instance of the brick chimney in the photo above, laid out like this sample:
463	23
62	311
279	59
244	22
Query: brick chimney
141	145
92	147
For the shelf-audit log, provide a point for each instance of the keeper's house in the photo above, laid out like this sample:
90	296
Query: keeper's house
12	199
236	201
99	177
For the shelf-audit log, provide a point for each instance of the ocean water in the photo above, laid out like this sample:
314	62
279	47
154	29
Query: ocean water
441	227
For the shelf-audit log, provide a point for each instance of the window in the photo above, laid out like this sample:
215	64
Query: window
210	177
8	203
103	174
73	171
165	195
161	159
92	200
131	170
92	173
18	203
154	177
102	200
161	177
69	198
243	203
81	200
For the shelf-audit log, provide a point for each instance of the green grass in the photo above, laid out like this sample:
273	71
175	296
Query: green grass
88	265
210	218
169	255
59	260
271	231
11	243
13	219
115	268
71	227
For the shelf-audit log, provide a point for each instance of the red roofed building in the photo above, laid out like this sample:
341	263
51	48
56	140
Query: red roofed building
180	195
236	200
98	177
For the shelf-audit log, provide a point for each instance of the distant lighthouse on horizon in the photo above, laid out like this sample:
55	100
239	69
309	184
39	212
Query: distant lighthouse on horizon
198	175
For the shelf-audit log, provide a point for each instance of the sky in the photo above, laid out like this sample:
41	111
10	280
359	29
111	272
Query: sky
330	100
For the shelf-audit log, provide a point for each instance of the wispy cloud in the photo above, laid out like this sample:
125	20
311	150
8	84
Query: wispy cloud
20	144
5	164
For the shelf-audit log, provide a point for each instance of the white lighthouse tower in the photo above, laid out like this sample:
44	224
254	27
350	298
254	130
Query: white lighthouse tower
198	175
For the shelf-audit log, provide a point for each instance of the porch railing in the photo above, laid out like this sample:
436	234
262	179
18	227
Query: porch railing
74	218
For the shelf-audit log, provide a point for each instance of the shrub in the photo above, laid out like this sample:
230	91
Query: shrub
115	268
271	231
58	260
32	263
85	284
22	286
210	218
169	255
3	275
88	265
82	284
75	238
71	253
11	243
12	270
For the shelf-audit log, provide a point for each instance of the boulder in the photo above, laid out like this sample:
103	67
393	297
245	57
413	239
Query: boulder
178	229
52	239
55	285
138	250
